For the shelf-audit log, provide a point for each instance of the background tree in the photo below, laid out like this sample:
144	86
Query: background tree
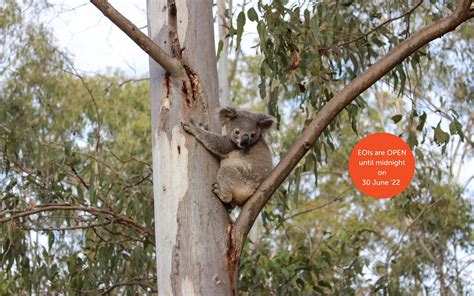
76	212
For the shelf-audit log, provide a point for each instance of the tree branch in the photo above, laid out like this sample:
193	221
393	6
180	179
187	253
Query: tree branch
134	282
170	64
312	132
379	26
337	198
70	228
120	219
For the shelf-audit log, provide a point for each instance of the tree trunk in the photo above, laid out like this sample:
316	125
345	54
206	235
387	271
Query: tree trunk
191	223
187	215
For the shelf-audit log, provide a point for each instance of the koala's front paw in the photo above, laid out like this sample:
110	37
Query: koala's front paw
204	126
187	127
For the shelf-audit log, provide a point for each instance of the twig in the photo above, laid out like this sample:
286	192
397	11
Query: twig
342	44
131	158
143	179
129	238
120	219
319	206
134	282
79	227
133	80
91	95
79	176
400	239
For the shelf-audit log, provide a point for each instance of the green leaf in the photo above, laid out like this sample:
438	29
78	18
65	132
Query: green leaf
92	195
397	118
68	148
422	122
440	136
412	140
51	239
456	114
252	15
455	127
315	171
300	283
415	60
326	284
298	172
377	41
262	89
7	167
353	110
10	185
318	289
403	78
419	155
353	59
219	49
240	27
347	3
395	80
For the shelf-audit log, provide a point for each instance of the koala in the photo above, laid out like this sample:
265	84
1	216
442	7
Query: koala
245	158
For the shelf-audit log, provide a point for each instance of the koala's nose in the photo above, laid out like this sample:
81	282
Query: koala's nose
244	140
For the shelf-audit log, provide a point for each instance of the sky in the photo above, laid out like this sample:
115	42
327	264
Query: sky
95	43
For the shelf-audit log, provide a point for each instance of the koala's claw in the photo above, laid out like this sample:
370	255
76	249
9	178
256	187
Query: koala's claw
217	191
187	127
204	126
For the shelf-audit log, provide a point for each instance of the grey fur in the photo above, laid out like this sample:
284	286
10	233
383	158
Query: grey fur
245	157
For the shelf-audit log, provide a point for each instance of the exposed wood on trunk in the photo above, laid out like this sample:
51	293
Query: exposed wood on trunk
191	236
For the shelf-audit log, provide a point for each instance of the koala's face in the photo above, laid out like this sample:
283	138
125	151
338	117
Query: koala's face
243	131
244	128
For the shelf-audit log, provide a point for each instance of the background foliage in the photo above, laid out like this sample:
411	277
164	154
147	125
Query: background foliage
76	205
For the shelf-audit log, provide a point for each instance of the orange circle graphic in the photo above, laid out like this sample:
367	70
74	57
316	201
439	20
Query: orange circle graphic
381	165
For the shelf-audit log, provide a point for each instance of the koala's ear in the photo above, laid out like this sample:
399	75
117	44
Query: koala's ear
227	113
265	121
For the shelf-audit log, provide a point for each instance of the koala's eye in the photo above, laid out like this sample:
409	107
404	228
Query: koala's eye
252	135
236	131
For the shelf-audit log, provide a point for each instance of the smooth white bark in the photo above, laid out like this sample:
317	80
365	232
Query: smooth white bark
190	222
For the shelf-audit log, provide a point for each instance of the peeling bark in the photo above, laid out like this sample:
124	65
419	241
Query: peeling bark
191	223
